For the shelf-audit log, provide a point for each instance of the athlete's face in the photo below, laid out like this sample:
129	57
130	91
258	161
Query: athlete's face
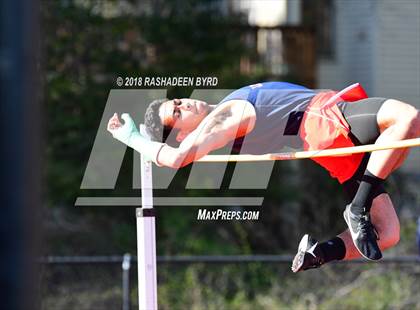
183	114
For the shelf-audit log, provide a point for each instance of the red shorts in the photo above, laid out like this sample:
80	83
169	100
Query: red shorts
324	127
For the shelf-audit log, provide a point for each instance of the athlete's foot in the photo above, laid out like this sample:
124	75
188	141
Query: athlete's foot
308	256
363	234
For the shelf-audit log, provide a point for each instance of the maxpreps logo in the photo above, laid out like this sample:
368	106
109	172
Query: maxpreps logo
224	215
107	155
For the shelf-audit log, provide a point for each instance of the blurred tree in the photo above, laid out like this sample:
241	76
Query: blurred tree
85	51
87	45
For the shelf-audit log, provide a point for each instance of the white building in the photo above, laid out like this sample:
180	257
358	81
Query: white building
376	43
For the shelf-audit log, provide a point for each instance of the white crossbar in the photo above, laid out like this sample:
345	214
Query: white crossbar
313	154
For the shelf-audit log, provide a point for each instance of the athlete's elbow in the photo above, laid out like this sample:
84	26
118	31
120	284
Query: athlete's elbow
179	161
177	164
173	163
172	158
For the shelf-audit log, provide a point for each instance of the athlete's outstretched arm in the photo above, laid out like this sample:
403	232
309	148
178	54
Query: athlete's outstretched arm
231	120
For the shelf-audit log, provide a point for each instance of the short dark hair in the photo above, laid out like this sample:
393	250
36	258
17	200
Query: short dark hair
153	123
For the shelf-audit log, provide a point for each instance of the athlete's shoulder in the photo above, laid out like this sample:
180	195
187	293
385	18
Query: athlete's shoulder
275	85
237	105
250	92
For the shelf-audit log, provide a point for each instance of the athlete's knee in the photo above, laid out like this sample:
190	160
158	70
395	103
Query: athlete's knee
390	234
385	220
409	117
397	112
392	237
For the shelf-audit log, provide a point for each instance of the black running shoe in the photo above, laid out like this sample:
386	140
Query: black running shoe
307	257
363	233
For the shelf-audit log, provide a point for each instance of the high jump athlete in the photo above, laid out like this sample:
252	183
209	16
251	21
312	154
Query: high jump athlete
265	117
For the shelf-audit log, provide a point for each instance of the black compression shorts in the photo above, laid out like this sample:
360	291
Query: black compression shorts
361	117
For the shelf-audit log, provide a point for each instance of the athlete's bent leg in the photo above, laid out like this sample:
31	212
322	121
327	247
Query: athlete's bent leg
385	220
396	121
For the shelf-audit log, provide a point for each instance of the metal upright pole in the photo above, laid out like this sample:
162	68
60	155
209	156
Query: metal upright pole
126	266
21	150
146	239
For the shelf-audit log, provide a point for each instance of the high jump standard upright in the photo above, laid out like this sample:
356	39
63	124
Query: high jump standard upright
146	238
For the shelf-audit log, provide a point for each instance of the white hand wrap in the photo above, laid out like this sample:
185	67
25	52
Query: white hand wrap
130	136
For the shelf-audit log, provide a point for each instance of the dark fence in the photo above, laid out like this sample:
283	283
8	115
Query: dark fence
212	259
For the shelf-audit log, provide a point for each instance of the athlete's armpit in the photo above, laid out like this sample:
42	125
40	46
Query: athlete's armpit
217	121
232	120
